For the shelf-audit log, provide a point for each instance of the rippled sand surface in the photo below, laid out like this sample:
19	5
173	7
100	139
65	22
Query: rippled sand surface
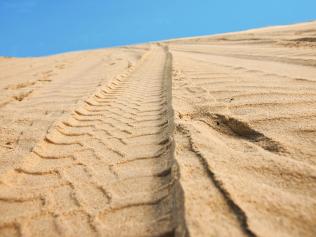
203	136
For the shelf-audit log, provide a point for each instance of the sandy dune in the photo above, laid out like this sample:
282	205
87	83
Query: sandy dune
204	136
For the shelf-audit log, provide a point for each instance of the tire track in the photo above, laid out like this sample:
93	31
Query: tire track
107	169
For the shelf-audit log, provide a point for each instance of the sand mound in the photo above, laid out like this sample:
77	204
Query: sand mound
205	136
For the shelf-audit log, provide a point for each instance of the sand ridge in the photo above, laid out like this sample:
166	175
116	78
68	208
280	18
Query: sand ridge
205	136
246	117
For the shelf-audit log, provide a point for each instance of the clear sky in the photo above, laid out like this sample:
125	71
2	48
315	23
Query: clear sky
43	27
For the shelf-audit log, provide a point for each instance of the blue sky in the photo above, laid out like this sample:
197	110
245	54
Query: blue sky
43	27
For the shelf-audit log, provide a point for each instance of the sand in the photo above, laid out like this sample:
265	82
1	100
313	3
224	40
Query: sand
203	136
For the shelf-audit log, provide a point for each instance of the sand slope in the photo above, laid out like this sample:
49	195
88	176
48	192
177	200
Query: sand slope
205	136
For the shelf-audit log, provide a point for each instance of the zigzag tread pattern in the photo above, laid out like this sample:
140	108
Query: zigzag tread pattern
105	170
